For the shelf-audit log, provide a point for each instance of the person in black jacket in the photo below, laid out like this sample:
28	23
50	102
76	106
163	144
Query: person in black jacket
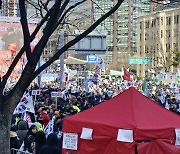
22	129
14	141
29	139
51	146
40	141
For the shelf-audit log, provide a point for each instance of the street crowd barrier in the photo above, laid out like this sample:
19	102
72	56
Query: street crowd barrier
17	151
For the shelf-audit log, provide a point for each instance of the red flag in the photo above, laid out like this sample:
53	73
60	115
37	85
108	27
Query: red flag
127	75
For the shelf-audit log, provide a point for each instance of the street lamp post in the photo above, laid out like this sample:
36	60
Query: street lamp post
61	41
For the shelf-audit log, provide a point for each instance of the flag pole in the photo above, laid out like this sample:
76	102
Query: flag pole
56	102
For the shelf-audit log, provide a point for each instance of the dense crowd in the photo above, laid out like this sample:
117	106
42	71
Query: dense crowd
75	98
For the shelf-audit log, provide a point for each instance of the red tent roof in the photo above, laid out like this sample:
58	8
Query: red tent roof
129	110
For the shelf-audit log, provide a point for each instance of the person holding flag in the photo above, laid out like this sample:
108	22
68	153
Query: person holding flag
50	127
45	117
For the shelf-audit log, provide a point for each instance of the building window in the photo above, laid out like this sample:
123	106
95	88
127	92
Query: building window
147	24
146	36
157	21
157	47
168	20
175	33
140	25
175	46
176	19
140	37
168	47
157	34
146	49
153	23
161	20
161	33
168	33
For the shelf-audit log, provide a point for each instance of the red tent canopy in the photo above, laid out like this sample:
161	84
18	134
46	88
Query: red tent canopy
129	110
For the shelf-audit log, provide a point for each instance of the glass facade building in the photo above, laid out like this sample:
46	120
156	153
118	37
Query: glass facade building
101	7
127	15
139	8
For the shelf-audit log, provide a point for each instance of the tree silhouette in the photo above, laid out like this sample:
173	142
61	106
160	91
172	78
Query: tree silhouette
53	14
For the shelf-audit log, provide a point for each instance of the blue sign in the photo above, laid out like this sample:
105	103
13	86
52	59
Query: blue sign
92	58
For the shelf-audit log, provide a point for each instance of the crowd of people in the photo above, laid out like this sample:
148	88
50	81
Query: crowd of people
76	98
30	136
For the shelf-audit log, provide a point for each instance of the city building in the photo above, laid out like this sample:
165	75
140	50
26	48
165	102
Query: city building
10	8
79	18
158	36
121	28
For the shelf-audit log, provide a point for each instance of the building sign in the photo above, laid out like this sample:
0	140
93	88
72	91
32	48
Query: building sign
95	42
139	61
92	58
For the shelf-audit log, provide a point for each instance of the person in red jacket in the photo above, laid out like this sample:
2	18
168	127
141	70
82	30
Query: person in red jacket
45	117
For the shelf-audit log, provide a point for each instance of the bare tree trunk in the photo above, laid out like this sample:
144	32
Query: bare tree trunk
5	121
8	103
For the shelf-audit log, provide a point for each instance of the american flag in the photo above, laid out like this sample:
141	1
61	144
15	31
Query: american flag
26	117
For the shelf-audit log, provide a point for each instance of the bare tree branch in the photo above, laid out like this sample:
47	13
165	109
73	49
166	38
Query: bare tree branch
69	9
45	5
47	33
9	102
78	38
35	5
25	29
0	4
40	8
63	7
20	53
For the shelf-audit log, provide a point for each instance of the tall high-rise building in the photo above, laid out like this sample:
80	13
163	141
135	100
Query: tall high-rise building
121	23
139	8
121	28
10	8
